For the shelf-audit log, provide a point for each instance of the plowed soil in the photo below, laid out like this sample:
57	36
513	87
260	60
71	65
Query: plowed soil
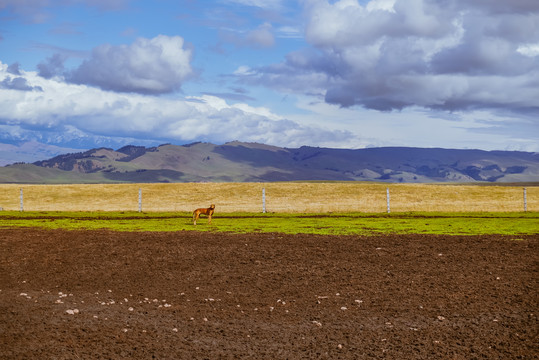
199	295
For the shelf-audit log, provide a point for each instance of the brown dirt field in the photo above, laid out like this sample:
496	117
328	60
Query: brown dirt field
194	295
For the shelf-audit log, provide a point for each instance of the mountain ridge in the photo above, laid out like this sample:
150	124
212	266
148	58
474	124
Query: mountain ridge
249	162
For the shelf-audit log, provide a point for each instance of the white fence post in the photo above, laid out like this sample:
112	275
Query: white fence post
263	200
22	202
525	201
139	200
387	198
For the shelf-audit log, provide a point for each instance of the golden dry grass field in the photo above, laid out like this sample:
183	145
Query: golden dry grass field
288	197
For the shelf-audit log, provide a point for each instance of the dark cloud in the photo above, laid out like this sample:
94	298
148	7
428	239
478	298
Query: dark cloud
14	69
148	66
18	83
52	66
450	55
489	47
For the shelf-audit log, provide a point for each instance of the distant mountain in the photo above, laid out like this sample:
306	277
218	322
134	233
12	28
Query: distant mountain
239	162
29	151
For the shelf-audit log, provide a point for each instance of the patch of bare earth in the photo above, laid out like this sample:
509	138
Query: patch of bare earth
113	295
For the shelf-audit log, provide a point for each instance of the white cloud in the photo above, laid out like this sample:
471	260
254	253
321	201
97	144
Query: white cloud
149	66
244	71
105	113
531	50
386	5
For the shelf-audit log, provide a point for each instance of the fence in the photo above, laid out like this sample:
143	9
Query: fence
270	197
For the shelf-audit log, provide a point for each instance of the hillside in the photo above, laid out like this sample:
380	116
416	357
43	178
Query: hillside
239	162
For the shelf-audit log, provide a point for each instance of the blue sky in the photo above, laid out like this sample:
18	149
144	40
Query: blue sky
347	74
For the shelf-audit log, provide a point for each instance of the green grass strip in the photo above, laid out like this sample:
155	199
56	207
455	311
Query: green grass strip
326	224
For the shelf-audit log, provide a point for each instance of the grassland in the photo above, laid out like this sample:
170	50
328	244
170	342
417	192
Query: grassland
286	197
335	224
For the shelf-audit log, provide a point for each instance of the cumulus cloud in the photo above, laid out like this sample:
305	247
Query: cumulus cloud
99	113
148	66
392	54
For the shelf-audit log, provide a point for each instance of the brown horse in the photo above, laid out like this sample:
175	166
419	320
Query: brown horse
206	211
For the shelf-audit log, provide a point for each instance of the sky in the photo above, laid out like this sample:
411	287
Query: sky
344	74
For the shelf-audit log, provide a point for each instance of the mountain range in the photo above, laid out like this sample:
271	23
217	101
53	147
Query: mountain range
30	151
243	162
